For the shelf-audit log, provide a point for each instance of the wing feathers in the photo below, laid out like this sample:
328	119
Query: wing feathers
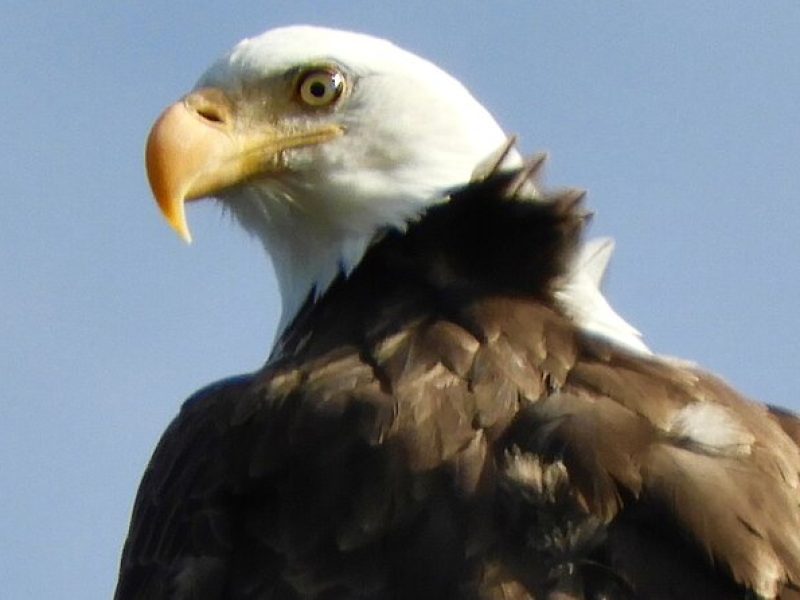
549	464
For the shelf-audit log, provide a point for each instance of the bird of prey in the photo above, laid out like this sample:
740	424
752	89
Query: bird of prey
451	409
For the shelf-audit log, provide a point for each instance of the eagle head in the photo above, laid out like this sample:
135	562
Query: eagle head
315	140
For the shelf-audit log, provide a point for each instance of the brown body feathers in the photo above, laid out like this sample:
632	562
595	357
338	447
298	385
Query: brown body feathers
434	427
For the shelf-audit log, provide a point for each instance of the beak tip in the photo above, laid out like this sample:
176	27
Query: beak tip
184	235
175	216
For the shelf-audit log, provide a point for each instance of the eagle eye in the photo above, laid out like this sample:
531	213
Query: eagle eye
320	87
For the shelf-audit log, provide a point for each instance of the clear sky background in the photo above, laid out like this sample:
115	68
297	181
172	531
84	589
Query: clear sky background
681	118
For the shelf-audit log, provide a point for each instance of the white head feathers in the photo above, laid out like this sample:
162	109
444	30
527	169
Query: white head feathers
411	132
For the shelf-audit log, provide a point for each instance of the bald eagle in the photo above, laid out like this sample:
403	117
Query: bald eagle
451	409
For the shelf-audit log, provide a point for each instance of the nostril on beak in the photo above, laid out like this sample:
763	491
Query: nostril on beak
210	105
210	113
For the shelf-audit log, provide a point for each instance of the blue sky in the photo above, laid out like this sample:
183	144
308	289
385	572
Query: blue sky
682	119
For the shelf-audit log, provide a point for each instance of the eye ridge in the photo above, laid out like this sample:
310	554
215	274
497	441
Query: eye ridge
320	87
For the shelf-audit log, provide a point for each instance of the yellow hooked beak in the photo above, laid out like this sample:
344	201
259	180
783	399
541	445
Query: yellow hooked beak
196	149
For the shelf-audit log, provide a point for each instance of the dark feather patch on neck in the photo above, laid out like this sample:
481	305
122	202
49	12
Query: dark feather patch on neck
497	236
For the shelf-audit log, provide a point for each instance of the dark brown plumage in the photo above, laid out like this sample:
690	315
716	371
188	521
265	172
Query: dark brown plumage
434	427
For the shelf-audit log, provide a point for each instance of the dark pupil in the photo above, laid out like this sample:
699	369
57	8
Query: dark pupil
318	89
